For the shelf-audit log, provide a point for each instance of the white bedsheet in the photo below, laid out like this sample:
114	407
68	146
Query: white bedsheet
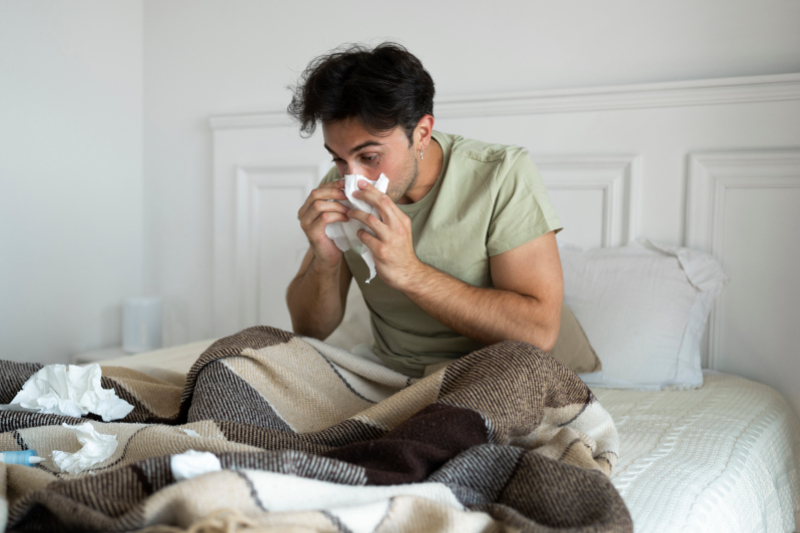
722	458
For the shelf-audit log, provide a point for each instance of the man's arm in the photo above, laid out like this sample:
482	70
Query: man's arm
317	296
525	303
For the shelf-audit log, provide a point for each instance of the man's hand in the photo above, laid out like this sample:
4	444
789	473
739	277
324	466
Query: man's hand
317	295
316	213
392	246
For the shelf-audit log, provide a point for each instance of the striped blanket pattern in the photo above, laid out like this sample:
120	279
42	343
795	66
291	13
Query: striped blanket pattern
313	438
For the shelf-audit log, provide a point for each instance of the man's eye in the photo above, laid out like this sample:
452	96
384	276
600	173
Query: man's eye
371	158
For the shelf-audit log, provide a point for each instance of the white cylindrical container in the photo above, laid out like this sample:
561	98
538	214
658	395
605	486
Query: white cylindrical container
141	324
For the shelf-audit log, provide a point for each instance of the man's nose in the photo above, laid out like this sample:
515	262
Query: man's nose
354	168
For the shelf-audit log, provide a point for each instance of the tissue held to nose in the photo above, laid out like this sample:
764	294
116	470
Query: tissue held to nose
69	390
345	234
96	449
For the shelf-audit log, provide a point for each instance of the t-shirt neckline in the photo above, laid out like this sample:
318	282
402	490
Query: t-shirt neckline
429	197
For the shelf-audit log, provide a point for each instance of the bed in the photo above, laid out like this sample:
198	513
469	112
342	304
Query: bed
701	451
719	458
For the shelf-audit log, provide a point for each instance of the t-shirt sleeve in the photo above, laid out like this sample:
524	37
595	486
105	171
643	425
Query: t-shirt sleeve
522	208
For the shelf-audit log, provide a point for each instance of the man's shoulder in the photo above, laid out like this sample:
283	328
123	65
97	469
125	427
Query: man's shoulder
480	151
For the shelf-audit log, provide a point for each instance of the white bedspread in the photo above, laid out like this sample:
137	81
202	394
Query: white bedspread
723	458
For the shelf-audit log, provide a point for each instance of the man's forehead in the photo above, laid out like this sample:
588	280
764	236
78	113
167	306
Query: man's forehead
350	136
357	147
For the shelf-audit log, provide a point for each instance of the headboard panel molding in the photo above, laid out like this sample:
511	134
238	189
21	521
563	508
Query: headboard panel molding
771	88
257	206
742	207
617	179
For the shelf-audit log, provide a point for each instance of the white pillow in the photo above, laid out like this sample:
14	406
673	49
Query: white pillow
644	308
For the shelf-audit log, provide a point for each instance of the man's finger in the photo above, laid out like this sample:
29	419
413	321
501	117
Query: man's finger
368	240
319	208
327	191
370	220
335	183
318	225
370	194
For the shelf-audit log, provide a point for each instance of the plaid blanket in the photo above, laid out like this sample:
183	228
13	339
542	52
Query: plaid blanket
313	438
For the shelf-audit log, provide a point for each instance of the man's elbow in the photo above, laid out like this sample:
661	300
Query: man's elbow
548	340
547	334
305	330
541	339
315	327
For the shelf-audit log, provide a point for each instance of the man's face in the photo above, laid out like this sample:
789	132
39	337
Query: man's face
357	151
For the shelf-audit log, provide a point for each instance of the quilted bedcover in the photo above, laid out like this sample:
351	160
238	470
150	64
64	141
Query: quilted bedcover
724	458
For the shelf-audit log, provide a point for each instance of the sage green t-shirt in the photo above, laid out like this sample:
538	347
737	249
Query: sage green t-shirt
488	199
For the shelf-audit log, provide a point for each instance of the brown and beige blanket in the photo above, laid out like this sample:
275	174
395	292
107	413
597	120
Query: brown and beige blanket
313	438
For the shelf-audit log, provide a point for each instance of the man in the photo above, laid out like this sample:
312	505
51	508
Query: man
465	246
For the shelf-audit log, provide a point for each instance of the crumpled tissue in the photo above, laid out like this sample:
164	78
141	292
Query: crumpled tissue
69	390
96	449
345	234
192	463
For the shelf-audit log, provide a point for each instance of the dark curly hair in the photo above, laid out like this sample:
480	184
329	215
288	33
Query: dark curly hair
384	87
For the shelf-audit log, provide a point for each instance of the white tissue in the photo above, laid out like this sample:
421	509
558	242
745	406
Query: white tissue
69	390
193	463
345	234
96	449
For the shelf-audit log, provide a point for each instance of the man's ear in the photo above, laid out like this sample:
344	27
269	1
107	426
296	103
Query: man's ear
423	132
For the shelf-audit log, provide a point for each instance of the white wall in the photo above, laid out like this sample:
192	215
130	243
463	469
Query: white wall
70	174
209	57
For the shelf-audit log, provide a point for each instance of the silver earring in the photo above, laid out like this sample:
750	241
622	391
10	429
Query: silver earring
420	155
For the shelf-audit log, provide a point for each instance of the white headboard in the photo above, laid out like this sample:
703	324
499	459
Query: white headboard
713	165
